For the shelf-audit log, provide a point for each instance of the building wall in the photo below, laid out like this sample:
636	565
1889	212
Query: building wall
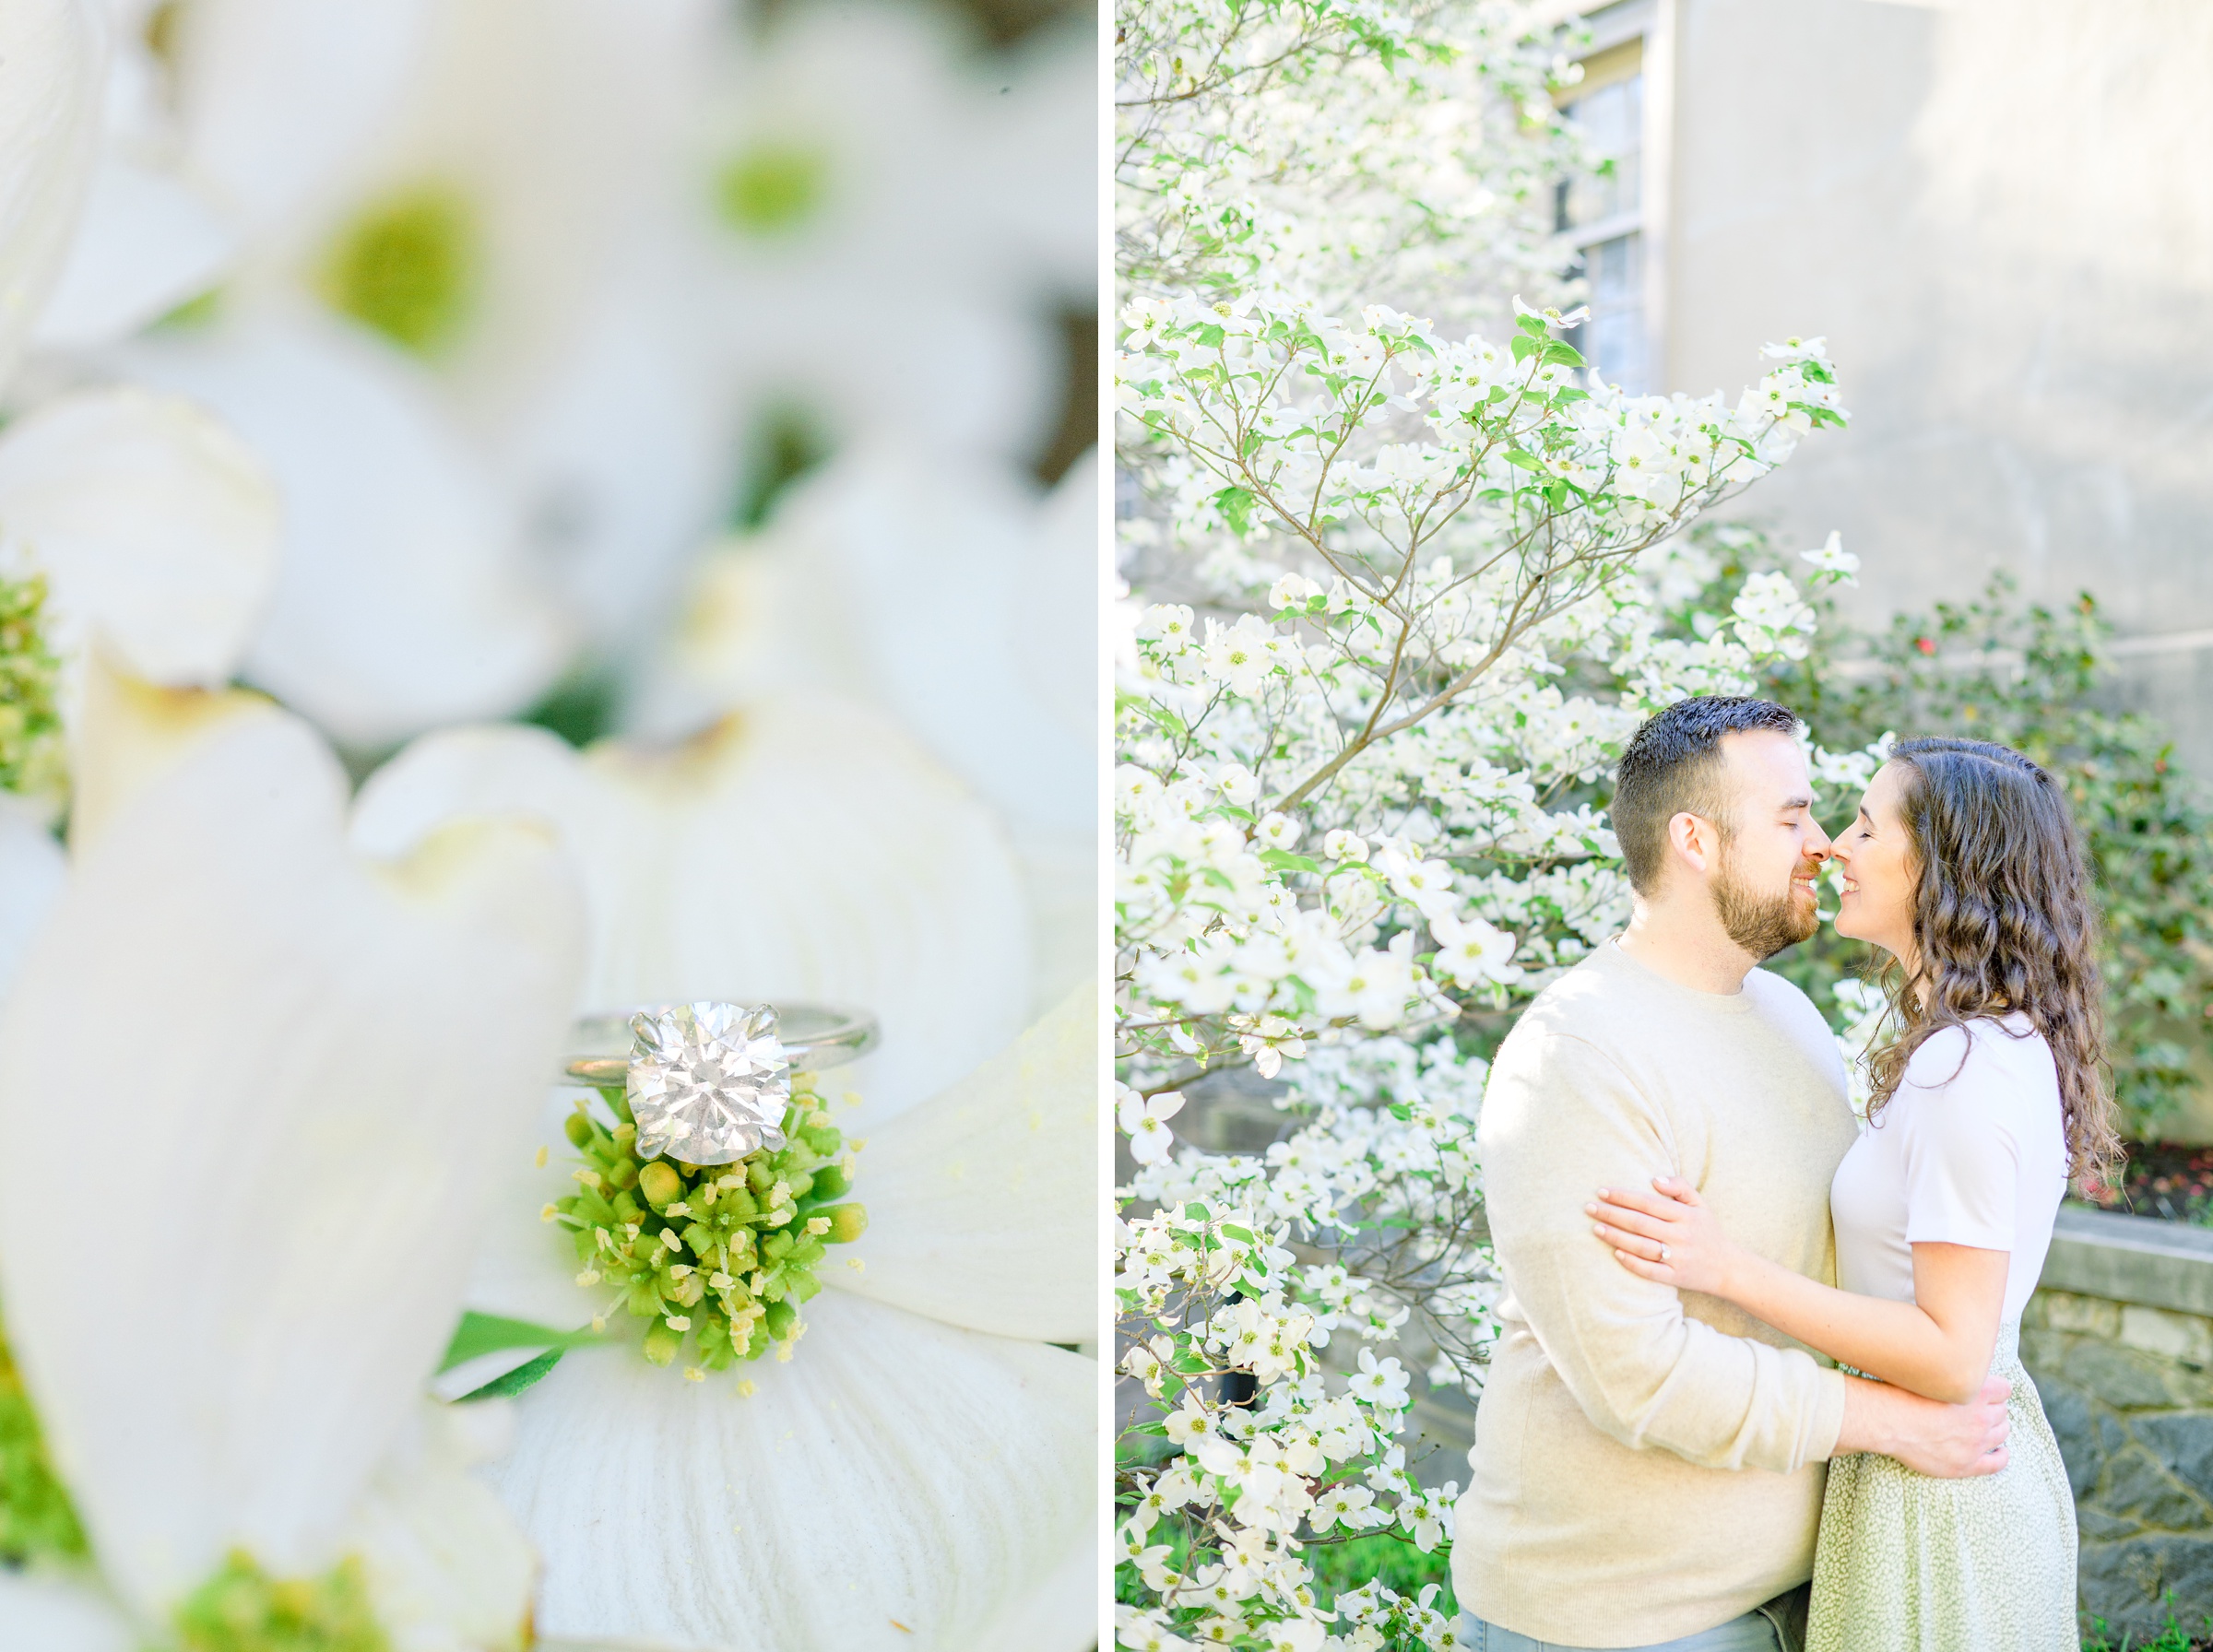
2000	212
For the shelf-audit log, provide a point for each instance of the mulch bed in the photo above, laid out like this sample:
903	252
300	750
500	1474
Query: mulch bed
2166	1180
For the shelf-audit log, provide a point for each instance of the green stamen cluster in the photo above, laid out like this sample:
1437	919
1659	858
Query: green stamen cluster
772	187
717	1255
243	1608
31	720
405	266
36	1515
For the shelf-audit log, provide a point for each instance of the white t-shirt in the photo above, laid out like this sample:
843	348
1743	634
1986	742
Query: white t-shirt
1970	1153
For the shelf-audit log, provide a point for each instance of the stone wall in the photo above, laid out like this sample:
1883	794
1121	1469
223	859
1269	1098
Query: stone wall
2118	1341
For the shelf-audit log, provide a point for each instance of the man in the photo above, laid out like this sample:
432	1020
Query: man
1647	1466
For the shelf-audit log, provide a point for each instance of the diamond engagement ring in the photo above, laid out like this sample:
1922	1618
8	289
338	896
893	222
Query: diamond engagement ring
708	1083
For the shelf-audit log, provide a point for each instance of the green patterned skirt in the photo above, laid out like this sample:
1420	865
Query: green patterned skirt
1908	1564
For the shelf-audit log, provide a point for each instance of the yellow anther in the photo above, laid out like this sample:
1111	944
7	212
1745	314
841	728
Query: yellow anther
541	1158
678	1209
549	1213
678	1322
671	1240
720	1280
692	1373
588	1176
590	1276
817	1225
856	1265
747	1388
851	1098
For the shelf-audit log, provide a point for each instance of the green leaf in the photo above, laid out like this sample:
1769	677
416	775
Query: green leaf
1562	355
1526	345
480	1334
1235	505
1514	455
1283	860
515	1381
1534	326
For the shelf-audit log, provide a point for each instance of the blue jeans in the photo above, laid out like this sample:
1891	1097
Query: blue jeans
1752	1632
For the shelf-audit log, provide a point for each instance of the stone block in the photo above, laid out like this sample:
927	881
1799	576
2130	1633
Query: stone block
2162	1331
2138	1487
2126	1378
2096	1526
2126	1582
2183	1442
2083	1315
2068	1411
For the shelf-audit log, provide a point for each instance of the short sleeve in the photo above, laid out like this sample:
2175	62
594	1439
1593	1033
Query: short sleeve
1962	1157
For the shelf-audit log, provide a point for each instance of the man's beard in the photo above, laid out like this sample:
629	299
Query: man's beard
1761	924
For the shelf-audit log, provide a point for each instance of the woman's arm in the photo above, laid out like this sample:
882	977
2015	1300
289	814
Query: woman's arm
1937	1345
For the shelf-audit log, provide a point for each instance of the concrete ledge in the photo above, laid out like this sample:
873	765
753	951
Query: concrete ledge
2131	1259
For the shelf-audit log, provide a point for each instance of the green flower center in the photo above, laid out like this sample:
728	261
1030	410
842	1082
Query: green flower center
31	722
36	1515
772	187
719	1256
243	1608
407	267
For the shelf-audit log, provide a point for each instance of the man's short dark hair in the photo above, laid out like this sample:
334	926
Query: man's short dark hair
1673	766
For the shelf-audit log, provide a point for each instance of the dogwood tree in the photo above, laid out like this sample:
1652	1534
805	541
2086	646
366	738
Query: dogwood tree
1397	596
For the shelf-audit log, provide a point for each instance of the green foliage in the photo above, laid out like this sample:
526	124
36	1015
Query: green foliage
1385	1557
2172	1636
36	1517
243	1608
2037	680
30	723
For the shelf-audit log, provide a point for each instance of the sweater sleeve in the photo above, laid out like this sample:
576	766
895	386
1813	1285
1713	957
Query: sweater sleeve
1559	1122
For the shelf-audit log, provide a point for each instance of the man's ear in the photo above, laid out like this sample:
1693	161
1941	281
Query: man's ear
1694	840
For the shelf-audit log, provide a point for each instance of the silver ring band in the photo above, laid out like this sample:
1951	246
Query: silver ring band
814	1036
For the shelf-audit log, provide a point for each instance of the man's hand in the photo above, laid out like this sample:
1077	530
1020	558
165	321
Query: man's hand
1951	1442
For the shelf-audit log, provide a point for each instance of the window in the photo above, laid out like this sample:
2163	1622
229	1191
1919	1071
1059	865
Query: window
1603	217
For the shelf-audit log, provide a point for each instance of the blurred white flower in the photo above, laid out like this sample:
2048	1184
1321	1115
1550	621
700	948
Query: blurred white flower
1831	558
55	54
849	184
277	1019
955	599
155	527
799	849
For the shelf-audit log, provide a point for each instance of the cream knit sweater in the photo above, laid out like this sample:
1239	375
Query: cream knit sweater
1647	1464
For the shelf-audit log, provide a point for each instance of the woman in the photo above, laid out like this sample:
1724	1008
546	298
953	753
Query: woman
1964	866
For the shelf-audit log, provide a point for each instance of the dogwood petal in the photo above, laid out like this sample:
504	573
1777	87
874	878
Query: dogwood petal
447	1568
147	242
277	1077
402	601
1037	144
983	1201
945	593
279	97
42	1613
31	870
800	849
53	69
128	735
156	526
899	1484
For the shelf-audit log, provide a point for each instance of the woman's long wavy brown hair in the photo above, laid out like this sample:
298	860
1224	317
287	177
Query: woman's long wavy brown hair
2003	920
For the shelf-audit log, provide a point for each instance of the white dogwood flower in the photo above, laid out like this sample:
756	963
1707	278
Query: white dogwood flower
1144	1119
924	1457
279	1016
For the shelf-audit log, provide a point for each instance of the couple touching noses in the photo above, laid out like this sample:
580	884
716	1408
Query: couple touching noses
1758	1387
